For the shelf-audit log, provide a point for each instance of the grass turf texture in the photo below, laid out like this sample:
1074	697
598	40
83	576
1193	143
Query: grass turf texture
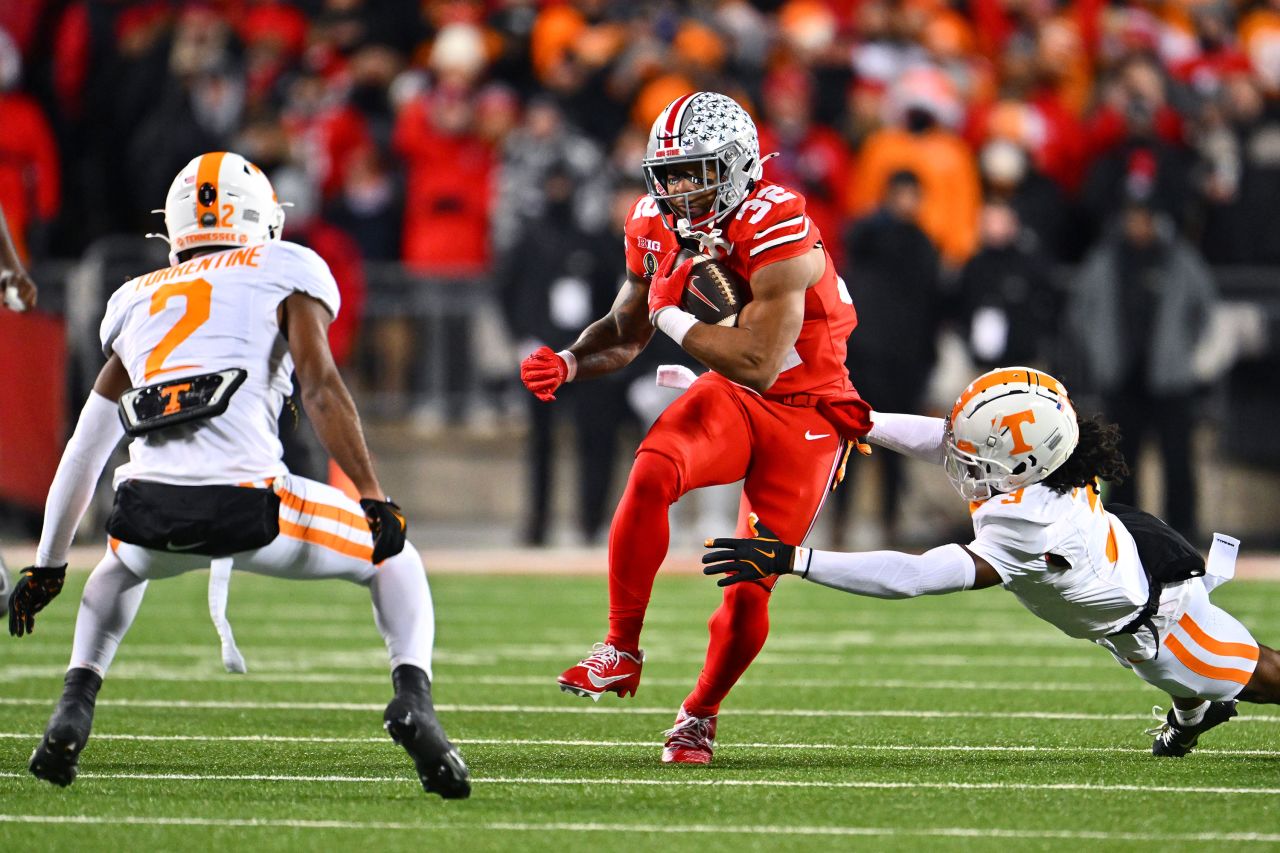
954	723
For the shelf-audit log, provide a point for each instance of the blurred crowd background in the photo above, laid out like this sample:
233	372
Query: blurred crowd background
1085	186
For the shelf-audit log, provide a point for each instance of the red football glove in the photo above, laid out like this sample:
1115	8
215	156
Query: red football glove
667	287
543	372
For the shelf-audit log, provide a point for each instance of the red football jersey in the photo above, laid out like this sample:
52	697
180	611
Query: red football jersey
770	225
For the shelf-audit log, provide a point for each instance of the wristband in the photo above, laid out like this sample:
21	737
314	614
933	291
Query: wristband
570	363
803	556
675	323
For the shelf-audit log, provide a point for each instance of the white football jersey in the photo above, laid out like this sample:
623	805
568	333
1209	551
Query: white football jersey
1103	584
214	312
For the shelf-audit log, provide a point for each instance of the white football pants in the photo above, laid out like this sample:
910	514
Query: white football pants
323	534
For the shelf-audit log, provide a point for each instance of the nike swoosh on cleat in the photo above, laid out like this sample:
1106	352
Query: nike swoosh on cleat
808	436
597	681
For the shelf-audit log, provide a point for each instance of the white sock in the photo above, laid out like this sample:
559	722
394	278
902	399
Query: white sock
403	610
1192	717
111	599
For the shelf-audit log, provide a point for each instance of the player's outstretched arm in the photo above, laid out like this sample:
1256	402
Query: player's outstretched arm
754	352
16	287
879	574
916	436
608	344
97	433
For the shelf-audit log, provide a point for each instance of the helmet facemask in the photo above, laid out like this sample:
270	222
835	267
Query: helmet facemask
713	174
976	478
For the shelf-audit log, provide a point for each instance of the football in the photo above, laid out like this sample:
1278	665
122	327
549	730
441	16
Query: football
714	293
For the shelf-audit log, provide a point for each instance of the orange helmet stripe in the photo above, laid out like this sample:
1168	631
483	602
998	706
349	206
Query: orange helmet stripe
1001	377
207	173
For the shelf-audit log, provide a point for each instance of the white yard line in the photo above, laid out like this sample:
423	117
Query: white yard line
632	828
610	744
606	710
672	781
170	704
147	673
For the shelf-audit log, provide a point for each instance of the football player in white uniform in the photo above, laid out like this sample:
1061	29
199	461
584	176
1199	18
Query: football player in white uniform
1014	448
199	358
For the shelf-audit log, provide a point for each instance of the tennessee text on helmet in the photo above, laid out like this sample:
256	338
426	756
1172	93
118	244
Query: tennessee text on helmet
220	199
1011	428
710	137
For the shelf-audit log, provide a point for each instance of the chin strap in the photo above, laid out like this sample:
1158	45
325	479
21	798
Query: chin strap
710	243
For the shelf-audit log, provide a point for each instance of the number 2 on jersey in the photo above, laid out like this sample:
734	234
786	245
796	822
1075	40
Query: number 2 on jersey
197	293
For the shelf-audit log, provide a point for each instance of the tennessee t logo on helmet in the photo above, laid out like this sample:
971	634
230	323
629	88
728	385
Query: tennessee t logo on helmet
1011	428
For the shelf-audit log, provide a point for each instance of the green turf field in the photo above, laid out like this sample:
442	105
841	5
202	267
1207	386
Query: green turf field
953	723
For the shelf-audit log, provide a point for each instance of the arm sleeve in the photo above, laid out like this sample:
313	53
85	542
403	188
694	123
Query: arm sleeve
97	433
889	574
911	435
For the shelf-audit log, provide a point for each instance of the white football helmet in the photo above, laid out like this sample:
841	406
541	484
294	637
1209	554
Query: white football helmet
697	131
1011	428
220	199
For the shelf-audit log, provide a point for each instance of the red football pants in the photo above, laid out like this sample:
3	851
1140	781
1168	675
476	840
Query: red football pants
718	433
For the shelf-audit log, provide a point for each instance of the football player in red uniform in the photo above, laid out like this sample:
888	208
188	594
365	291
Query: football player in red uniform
777	408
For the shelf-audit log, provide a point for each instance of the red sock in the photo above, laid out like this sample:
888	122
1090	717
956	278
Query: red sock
738	630
638	543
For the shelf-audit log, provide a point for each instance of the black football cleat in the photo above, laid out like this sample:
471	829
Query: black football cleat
1174	740
411	721
57	758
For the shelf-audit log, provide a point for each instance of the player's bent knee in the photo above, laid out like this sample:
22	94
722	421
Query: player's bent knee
1264	686
655	475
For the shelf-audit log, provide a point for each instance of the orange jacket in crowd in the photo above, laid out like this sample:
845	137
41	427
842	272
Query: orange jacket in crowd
952	194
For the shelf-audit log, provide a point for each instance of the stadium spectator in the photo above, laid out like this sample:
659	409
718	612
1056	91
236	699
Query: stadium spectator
370	205
1137	309
1240	144
553	280
1008	305
542	141
894	276
923	110
448	206
1044	213
811	157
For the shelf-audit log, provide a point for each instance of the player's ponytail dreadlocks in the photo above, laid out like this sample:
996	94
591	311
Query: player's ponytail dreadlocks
1097	454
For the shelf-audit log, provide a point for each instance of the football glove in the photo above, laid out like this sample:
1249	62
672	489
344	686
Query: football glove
749	559
387	524
666	290
543	372
36	587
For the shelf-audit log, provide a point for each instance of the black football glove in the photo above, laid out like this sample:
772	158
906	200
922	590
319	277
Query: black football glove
35	588
387	524
749	559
